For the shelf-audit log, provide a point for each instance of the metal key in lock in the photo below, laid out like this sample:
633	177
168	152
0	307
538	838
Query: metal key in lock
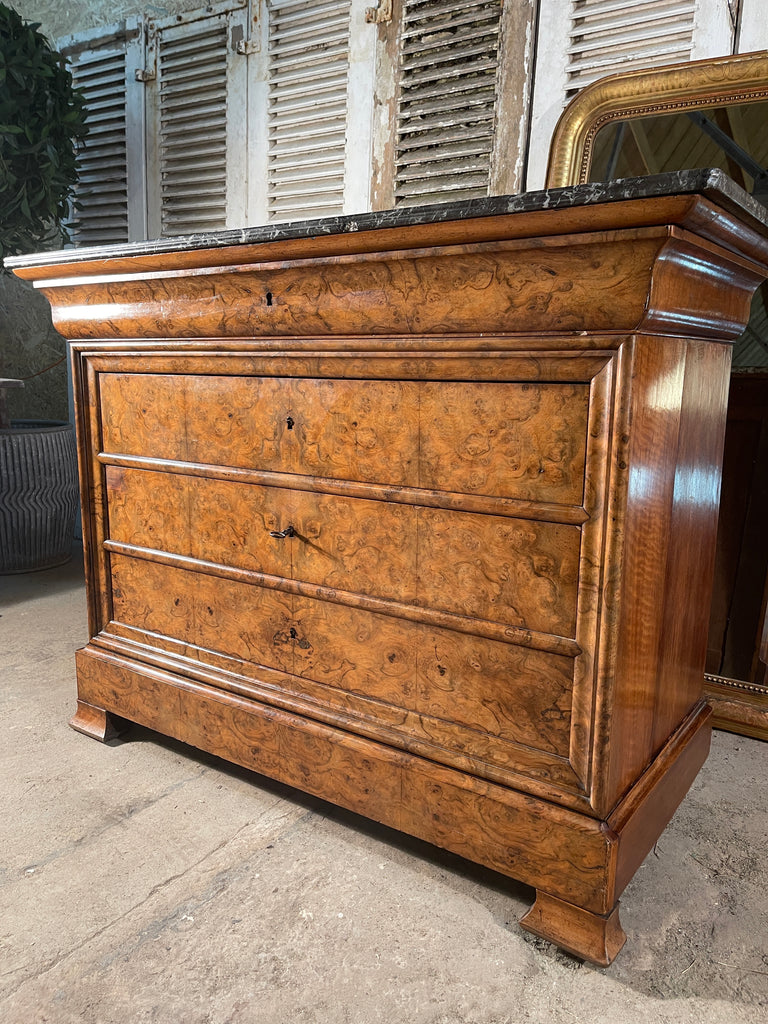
282	534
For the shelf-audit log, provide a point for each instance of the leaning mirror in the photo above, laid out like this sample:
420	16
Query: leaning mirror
710	113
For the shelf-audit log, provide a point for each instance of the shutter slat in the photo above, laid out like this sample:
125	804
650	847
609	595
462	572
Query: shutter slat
304	117
429	10
446	184
309	161
308	69
446	110
305	56
301	16
438	40
596	67
668	13
467	137
291	155
289	181
476	57
300	81
433	98
627	40
207	117
106	110
461	70
299	44
305	207
289	191
473	168
323	133
110	164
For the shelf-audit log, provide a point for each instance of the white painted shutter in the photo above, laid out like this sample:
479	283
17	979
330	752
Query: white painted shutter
308	64
610	36
198	113
110	188
446	112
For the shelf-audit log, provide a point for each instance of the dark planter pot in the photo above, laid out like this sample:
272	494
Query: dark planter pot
38	495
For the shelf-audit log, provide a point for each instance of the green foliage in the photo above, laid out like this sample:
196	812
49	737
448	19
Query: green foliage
41	121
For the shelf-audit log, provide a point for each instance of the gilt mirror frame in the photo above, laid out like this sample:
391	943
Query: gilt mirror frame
634	94
739	705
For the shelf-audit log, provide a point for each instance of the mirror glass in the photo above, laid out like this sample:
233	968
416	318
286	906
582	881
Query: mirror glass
733	138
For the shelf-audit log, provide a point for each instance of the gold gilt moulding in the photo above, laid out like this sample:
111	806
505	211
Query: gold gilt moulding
637	94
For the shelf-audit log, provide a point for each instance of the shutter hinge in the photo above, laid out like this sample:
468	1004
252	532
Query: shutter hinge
242	45
380	15
145	75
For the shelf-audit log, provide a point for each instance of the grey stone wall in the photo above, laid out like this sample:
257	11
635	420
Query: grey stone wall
29	344
65	17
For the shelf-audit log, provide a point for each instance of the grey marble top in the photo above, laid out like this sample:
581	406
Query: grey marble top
713	183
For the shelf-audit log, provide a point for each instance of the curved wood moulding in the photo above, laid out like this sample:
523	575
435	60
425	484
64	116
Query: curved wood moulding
506	761
500	631
514	508
595	282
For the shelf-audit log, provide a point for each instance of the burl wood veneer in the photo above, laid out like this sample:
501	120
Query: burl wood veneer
417	512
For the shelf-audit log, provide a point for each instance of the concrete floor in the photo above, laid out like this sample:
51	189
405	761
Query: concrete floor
147	882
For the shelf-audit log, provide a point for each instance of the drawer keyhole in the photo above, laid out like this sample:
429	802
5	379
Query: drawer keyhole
289	422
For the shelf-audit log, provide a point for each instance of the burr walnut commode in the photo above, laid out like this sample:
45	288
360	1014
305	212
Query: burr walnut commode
416	511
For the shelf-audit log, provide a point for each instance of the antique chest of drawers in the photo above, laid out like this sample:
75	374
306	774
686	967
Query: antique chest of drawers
416	511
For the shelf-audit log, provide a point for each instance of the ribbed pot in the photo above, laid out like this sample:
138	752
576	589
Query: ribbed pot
38	495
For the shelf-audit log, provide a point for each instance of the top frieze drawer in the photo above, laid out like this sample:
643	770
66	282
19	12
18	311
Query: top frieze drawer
522	440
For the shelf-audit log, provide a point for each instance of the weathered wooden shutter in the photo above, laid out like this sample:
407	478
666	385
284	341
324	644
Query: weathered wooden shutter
111	187
448	87
198	113
307	116
607	36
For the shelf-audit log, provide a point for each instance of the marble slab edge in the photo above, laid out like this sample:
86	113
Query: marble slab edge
712	183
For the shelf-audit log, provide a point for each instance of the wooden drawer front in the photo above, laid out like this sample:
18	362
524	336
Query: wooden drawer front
506	440
517	440
359	661
202	611
508	692
355	430
518	572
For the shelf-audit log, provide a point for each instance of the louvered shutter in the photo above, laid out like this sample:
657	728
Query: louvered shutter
111	187
197	100
307	118
446	111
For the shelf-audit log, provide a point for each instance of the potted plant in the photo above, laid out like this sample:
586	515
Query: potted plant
42	119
